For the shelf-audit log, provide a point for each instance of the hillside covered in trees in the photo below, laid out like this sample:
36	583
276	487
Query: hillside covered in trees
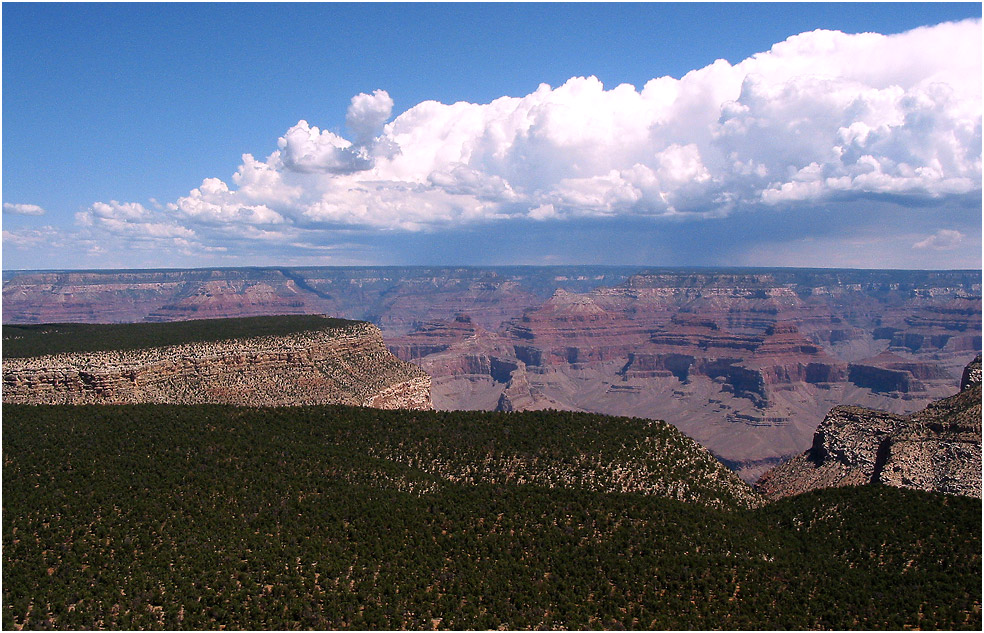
175	517
23	341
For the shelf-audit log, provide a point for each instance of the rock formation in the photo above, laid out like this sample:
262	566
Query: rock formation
346	365
747	362
936	449
971	374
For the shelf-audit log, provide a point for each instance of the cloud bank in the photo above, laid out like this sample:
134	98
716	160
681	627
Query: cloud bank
822	117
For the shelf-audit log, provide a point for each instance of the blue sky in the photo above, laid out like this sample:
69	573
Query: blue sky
115	115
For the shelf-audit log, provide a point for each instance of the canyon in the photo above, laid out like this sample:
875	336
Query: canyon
937	449
748	364
397	299
746	361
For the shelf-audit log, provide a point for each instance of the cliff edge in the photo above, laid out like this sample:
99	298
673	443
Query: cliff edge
937	449
341	364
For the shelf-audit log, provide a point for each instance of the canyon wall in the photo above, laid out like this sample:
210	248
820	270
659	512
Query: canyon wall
397	299
937	449
344	365
746	361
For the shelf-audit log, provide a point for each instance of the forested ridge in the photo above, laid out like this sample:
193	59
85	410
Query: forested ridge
23	341
183	517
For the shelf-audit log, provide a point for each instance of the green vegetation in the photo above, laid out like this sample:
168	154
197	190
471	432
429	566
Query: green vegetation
183	517
22	341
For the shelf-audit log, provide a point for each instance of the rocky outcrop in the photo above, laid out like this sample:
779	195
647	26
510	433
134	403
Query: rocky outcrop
940	448
346	365
517	395
520	395
936	449
844	453
971	374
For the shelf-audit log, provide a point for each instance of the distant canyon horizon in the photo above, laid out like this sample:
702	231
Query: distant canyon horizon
747	361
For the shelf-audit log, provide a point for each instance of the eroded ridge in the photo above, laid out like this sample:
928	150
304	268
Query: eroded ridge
340	365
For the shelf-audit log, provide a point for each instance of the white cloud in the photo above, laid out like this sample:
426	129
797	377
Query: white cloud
24	238
213	202
126	211
22	209
821	116
543	212
942	240
307	149
131	225
367	114
146	230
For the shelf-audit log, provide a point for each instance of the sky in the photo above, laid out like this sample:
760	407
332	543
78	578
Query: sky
193	135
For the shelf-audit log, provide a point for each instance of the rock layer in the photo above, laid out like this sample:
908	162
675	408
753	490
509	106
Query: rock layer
747	362
937	449
347	365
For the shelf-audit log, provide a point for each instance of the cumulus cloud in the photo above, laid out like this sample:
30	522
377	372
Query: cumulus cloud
942	240
22	209
307	149
367	114
213	202
822	116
